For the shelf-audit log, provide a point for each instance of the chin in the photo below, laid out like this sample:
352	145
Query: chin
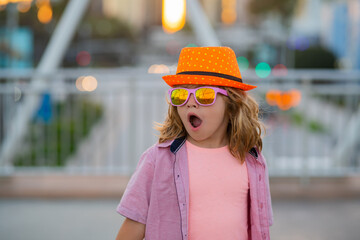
197	137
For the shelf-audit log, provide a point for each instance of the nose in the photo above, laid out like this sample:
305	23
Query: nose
191	102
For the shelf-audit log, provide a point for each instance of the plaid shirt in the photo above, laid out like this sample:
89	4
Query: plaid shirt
158	193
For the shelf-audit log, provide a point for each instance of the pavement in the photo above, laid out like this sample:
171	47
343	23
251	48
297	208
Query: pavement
80	219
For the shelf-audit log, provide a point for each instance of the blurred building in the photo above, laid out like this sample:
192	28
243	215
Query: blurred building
345	34
331	24
334	24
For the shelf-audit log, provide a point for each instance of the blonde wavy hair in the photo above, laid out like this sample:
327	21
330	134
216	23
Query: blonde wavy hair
244	129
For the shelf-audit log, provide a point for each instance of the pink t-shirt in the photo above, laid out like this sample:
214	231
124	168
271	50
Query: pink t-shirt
218	185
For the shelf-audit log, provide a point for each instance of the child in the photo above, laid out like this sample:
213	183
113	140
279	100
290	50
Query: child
206	178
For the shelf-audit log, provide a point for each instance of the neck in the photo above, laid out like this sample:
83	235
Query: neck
209	143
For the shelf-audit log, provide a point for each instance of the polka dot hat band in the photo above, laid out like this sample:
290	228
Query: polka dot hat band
215	66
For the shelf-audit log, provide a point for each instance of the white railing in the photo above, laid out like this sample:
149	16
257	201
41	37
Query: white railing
105	131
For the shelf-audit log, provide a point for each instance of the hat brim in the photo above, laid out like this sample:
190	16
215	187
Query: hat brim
173	80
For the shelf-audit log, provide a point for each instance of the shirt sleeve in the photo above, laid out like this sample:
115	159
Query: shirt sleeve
269	207
135	201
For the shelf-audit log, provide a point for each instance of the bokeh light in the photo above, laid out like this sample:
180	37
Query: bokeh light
3	3
279	70
78	83
173	15
83	58
40	3
17	94
23	7
262	70
243	63
228	13
228	16
272	97
86	83
283	100
45	13
191	45
300	43
158	69
296	97
89	83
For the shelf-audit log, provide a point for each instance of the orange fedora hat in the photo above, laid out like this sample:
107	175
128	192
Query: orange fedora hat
208	66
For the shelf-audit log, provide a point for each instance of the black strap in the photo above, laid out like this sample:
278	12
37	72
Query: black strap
253	152
177	143
214	74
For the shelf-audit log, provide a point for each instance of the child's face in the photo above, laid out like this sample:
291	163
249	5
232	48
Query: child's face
206	125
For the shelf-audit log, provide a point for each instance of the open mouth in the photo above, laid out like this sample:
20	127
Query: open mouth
194	120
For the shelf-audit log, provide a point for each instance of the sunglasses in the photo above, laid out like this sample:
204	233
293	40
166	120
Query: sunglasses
204	96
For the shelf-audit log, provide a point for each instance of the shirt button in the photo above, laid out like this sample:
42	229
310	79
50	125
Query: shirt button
259	178
261	205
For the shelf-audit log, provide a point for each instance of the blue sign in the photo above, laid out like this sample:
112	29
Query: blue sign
44	113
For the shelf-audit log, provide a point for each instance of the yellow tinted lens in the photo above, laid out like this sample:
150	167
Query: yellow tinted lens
205	95
179	96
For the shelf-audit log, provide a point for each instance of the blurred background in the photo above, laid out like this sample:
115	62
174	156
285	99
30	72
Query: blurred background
80	89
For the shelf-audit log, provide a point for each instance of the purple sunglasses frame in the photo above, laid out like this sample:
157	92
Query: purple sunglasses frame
193	91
